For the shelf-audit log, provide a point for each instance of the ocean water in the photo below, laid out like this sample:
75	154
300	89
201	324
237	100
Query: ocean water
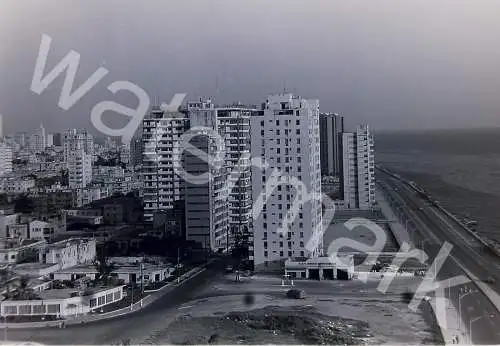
460	168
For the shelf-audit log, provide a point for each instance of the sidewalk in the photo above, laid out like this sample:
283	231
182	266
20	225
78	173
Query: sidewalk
448	321
124	311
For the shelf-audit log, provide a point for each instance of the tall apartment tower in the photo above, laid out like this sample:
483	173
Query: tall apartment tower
331	127
206	192
77	138
79	165
231	124
5	159
161	134
359	169
285	136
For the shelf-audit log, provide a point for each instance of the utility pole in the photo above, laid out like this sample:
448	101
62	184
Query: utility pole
178	266
142	280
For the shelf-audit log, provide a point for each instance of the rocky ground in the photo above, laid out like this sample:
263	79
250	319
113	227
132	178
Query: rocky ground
270	325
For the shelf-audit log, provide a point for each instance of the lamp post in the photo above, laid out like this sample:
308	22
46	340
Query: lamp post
465	293
474	320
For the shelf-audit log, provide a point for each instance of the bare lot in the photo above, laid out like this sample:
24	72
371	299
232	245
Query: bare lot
334	312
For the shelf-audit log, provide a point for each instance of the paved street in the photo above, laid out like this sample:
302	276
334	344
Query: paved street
136	326
431	228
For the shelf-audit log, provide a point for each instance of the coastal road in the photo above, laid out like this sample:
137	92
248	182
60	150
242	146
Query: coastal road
136	326
431	229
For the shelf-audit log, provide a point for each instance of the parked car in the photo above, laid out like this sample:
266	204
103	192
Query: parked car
296	294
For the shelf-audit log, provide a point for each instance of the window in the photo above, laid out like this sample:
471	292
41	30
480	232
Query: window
101	300
24	309
10	310
262	132
289	253
281	253
301	244
301	225
277	123
297	122
281	245
265	235
278	132
289	244
302	254
93	302
262	123
278	141
53	308
264	225
302	234
298	131
265	254
38	309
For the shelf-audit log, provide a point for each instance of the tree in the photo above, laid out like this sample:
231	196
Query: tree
104	267
22	291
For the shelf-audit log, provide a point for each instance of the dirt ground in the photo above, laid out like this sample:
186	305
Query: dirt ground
334	312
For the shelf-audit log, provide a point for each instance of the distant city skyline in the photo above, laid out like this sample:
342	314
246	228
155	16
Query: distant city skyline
392	64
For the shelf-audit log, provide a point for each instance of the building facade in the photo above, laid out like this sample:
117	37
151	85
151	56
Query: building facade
331	127
5	159
206	189
285	138
161	135
359	169
232	126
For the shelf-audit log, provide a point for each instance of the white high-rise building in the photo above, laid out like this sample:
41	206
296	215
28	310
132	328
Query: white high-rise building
359	169
79	165
50	140
161	134
231	124
285	136
38	140
77	138
5	159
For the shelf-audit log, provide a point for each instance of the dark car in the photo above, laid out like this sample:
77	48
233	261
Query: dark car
296	294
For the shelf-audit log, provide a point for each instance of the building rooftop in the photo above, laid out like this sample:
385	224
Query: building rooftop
8	244
67	242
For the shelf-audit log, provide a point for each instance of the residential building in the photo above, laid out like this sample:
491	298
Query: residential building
69	253
359	169
6	220
331	126
18	250
13	184
206	192
5	159
63	303
38	140
232	125
79	166
161	135
285	136
74	139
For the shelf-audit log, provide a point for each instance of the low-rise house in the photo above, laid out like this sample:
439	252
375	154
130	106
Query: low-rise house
7	220
321	268
63	302
69	253
18	250
18	231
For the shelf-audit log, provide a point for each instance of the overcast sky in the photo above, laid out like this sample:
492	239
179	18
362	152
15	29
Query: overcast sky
398	64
